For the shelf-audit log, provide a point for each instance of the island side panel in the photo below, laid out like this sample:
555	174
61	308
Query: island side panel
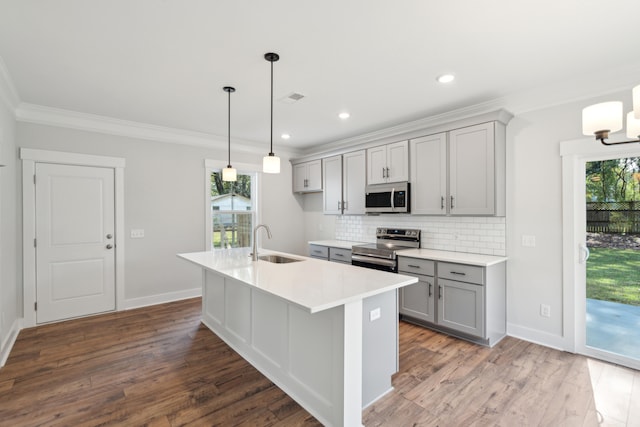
302	353
379	345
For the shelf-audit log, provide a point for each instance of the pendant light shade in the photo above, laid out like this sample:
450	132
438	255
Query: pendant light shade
229	173
271	162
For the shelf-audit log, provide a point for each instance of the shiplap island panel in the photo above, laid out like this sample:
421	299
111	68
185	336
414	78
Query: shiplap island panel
304	325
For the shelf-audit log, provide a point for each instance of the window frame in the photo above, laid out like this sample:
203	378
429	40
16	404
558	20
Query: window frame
212	166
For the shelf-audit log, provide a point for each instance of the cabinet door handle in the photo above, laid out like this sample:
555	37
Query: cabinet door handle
345	205
452	205
339	205
458	273
441	202
413	266
439	292
383	173
387	172
430	285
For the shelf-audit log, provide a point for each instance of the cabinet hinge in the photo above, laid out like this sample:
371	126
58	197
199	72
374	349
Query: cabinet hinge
35	306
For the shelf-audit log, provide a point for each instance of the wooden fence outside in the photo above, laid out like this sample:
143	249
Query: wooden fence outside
613	217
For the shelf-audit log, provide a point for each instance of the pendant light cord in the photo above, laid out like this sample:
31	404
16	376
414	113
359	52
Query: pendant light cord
229	130
271	148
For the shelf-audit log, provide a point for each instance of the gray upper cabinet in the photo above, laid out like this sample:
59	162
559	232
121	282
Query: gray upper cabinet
332	197
460	172
307	177
388	163
429	175
472	170
344	183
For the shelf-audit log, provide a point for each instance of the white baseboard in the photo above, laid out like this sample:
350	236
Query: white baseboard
537	337
8	343
130	304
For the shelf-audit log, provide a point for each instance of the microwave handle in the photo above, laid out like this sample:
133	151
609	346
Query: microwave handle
393	190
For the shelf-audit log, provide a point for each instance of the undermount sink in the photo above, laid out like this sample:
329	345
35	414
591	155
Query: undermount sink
277	259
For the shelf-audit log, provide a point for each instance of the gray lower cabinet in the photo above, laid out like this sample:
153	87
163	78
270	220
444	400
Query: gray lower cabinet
461	306
320	252
418	300
464	300
330	253
340	255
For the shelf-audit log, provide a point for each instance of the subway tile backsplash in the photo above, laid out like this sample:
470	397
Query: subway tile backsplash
478	235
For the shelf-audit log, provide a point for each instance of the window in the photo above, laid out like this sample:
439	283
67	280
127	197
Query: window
232	211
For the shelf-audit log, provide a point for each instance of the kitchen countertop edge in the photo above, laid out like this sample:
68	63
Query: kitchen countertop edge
455	257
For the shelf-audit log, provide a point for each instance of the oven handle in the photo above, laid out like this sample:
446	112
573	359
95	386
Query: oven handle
372	260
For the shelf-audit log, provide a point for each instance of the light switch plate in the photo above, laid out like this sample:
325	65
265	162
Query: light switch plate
528	241
137	233
374	314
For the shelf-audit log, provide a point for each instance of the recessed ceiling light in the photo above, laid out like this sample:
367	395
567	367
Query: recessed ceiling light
446	78
285	136
344	115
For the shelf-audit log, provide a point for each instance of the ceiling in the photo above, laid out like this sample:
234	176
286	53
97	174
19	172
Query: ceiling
165	62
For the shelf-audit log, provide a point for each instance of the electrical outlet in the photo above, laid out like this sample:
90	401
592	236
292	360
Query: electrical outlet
545	310
374	314
137	233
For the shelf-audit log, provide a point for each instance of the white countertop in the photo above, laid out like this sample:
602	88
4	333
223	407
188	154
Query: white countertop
316	285
457	257
342	244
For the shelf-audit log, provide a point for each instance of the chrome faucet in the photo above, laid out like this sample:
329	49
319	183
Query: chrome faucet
254	254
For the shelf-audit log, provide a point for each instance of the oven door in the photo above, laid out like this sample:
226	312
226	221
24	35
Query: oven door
376	263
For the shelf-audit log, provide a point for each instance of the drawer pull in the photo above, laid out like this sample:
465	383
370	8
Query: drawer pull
413	266
458	273
339	255
317	252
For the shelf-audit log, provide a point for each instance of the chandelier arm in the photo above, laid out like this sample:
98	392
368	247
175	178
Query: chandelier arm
602	140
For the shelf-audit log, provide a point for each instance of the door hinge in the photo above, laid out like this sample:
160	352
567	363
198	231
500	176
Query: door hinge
35	306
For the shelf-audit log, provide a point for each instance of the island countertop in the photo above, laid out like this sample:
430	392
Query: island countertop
315	285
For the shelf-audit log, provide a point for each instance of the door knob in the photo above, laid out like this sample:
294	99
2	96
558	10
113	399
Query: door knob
109	246
109	236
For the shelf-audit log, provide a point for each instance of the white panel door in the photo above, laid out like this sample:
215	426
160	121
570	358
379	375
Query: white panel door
75	250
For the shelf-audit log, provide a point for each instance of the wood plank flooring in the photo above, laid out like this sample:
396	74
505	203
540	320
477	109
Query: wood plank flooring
159	366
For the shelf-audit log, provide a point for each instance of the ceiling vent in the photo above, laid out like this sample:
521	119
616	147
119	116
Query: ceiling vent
291	98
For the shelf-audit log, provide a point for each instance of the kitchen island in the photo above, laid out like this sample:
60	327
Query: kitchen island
325	333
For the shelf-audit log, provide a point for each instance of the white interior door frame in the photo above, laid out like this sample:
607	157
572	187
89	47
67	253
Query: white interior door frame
29	159
575	154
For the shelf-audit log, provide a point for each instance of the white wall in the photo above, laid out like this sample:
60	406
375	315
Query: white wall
10	308
165	196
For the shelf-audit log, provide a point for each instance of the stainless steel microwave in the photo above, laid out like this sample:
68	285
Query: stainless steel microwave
387	198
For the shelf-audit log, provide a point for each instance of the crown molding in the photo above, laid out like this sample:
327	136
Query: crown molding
8	93
38	114
455	119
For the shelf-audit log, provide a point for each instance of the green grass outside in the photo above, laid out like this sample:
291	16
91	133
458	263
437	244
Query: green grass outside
614	275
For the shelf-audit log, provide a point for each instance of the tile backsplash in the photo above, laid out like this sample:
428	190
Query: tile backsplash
479	235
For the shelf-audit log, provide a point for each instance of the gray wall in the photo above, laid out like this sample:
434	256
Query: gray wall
10	291
165	196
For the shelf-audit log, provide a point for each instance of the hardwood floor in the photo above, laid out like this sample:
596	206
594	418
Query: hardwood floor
158	366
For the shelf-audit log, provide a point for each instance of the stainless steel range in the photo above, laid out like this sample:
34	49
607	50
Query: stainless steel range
382	255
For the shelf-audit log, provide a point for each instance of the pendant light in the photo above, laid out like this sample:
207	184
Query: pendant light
229	173
271	162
